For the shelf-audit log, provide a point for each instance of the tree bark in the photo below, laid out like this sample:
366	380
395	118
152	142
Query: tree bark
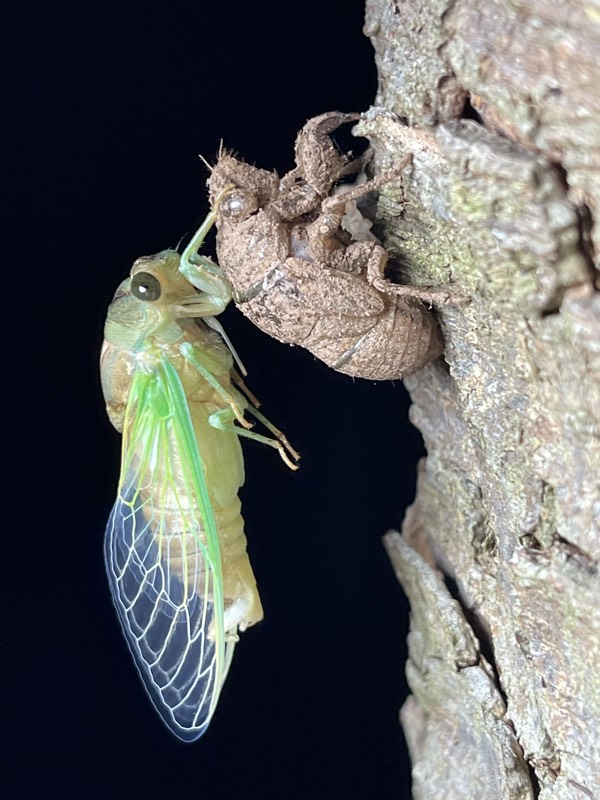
499	104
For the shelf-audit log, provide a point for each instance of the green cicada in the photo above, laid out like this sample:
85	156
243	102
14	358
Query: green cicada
175	547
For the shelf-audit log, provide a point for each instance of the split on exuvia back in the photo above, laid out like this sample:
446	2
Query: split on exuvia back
175	548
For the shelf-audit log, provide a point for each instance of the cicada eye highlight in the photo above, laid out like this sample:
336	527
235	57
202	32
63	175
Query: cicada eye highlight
145	286
239	205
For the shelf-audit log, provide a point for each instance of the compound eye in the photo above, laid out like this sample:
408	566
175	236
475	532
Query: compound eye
145	286
239	205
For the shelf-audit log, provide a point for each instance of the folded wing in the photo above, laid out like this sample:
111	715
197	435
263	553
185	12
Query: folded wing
162	557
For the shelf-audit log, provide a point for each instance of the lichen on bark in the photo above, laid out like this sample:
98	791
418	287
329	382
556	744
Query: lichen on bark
499	554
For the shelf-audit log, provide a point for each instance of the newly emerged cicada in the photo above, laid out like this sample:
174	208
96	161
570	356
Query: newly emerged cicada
175	547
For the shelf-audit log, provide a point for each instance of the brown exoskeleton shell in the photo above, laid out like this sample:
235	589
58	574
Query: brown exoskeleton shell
303	279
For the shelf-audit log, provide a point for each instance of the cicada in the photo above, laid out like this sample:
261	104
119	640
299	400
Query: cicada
175	548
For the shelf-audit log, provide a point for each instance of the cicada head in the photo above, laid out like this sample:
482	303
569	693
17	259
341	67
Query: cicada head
151	299
262	185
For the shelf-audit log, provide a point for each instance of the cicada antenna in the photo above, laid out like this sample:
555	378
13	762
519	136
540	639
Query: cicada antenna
178	245
205	162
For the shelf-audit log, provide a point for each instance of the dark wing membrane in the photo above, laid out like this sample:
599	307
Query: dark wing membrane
162	558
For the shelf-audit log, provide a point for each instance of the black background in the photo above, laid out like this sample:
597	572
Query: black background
107	107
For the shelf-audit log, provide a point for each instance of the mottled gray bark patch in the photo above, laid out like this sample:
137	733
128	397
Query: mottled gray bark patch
508	504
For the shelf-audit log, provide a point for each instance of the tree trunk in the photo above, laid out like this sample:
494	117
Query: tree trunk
499	104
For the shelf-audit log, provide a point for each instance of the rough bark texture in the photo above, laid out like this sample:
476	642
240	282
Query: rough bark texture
499	554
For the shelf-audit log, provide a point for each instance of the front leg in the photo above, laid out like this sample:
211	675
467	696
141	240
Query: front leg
319	161
319	164
204	275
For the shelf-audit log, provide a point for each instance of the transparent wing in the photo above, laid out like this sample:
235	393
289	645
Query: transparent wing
162	557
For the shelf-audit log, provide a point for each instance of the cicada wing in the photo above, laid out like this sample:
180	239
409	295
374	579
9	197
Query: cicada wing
163	561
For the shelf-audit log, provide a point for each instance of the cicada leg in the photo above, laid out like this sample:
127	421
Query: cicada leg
223	421
188	352
280	435
256	404
375	276
239	382
199	270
